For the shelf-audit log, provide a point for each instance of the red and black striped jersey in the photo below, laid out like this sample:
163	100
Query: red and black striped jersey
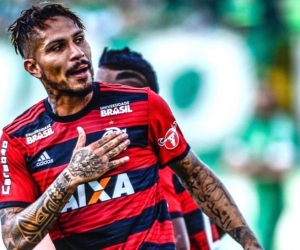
202	235
126	208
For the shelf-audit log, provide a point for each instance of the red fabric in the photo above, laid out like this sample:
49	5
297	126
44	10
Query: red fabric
180	203
127	201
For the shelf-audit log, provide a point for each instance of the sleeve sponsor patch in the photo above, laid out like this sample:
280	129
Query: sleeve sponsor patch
171	139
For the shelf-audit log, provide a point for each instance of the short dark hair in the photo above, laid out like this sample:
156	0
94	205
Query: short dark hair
23	30
120	59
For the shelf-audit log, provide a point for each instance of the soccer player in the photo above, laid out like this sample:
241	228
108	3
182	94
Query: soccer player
128	67
51	184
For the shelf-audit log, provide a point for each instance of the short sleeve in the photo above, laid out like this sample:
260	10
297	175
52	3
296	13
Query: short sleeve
165	133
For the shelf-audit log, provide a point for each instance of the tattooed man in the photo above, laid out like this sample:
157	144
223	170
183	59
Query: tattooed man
52	183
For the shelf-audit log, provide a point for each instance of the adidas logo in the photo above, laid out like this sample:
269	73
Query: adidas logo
44	159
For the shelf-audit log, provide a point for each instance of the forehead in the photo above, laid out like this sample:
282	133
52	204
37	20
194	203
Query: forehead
107	74
126	77
58	27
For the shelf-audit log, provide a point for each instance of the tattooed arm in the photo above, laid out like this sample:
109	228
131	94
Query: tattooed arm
25	228
214	199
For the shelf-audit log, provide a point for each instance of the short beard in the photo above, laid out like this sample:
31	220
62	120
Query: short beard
61	91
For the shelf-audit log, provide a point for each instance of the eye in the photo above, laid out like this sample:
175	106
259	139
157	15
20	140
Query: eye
57	47
79	39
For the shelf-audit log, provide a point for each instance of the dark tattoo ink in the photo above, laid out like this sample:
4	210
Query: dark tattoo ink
110	165
85	164
26	228
212	197
109	155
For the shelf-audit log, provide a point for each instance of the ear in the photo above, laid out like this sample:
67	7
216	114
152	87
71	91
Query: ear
32	68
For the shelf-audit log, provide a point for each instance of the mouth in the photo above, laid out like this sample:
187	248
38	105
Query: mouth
80	72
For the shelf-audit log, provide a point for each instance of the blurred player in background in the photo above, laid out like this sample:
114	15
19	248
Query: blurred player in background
127	67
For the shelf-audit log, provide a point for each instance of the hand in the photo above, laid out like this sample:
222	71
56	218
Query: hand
92	161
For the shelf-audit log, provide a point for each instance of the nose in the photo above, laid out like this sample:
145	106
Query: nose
76	52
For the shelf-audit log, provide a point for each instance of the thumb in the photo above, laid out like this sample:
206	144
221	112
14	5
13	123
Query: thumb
81	139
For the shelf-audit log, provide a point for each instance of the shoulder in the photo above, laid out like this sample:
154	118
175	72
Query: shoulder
25	119
115	87
133	94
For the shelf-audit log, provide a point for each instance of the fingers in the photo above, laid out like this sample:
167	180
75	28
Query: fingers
118	162
108	146
101	142
111	144
92	161
81	139
117	149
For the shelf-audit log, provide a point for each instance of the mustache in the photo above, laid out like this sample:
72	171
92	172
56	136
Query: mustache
76	65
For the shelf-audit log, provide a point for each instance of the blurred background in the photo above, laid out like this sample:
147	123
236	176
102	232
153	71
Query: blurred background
229	70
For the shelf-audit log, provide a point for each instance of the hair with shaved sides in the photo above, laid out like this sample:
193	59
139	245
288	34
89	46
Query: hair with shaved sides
127	59
25	30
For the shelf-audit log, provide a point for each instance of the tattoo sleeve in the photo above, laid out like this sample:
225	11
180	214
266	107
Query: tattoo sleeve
213	199
25	228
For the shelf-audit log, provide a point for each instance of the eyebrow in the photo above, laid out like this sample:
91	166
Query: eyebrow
130	74
59	40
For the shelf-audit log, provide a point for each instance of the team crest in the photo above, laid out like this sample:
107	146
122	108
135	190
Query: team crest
171	139
113	129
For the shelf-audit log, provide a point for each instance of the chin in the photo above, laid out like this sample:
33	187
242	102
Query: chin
84	90
79	90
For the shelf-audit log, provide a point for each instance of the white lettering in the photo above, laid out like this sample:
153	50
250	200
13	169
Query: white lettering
115	110
5	175
5	168
5	144
39	134
84	198
5	188
95	185
123	186
38	130
7	182
3	160
41	163
115	105
81	195
71	205
109	112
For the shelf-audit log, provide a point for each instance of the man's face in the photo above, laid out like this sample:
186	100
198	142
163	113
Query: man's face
124	77
63	58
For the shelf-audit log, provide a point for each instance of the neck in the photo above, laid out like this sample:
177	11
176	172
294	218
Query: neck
67	105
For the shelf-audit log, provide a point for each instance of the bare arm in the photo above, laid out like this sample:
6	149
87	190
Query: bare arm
45	244
214	200
25	228
182	241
